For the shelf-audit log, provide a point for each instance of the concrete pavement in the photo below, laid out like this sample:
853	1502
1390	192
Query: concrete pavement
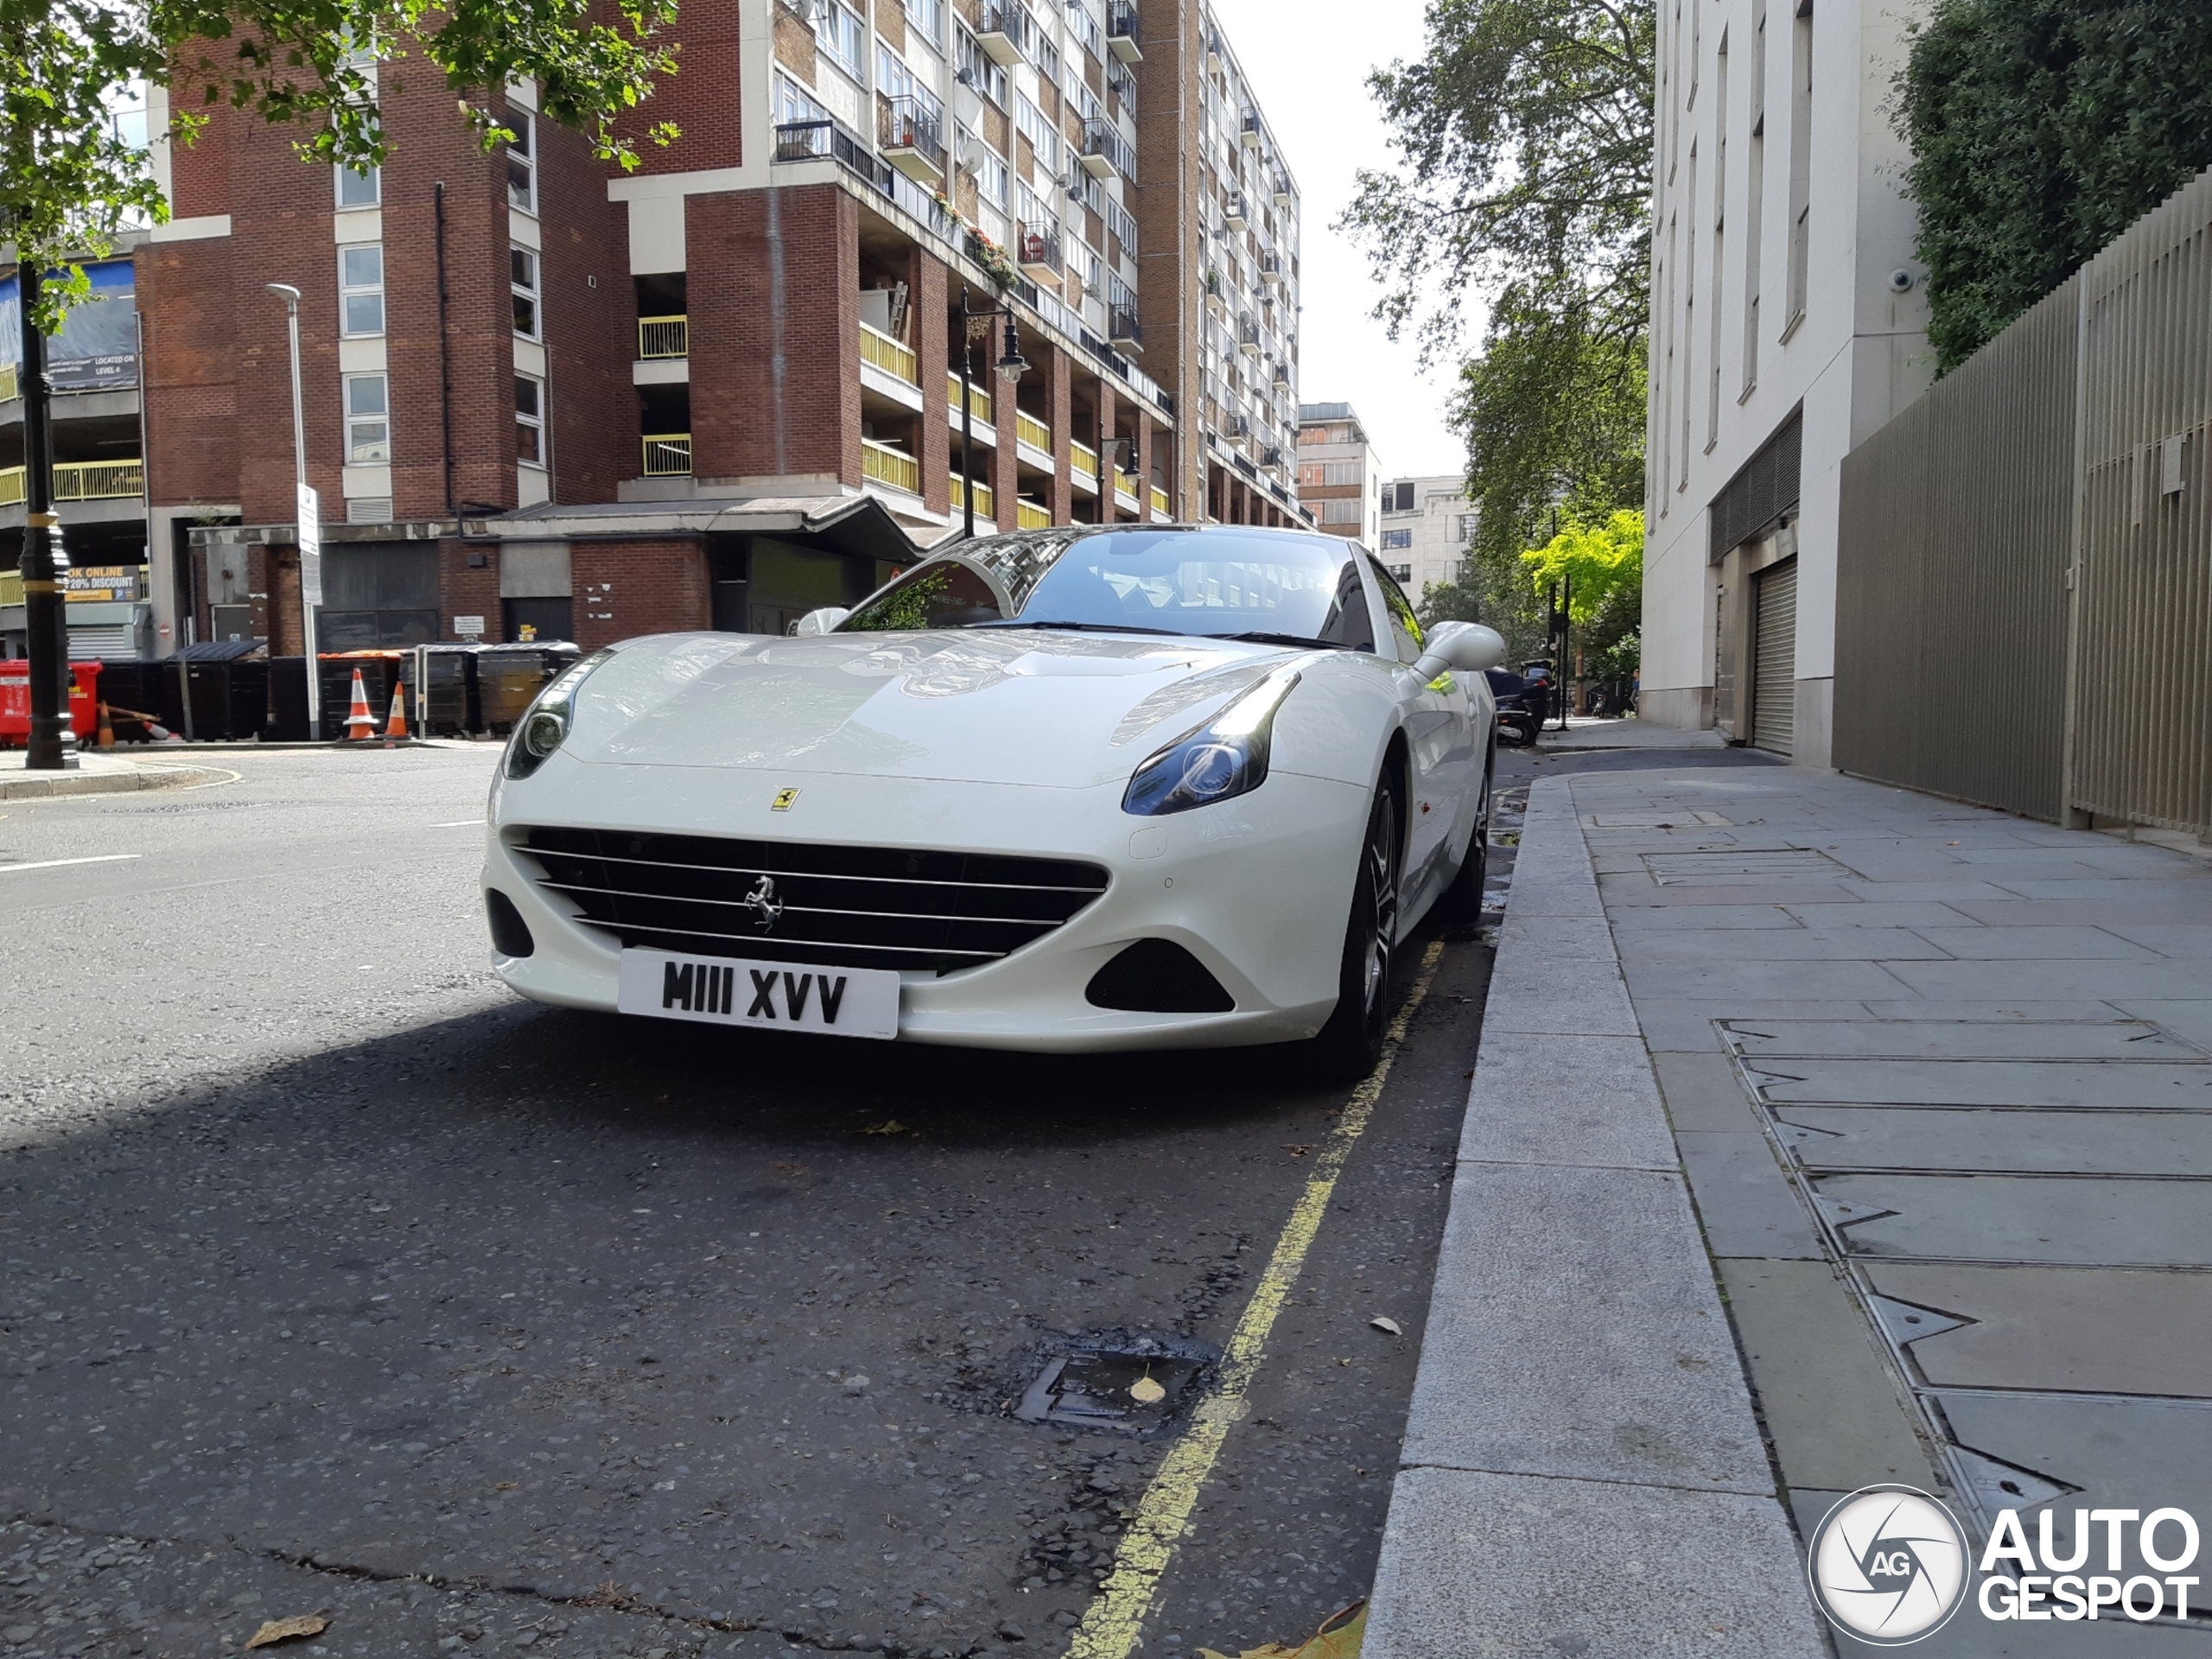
1939	1082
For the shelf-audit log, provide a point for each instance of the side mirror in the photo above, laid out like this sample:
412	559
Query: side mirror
821	621
1468	647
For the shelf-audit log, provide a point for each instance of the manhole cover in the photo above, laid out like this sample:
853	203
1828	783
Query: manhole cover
1124	1385
1742	867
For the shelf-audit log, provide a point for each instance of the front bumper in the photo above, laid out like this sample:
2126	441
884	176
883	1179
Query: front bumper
1257	888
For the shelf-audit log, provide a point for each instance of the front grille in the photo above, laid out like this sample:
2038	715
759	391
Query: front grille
856	906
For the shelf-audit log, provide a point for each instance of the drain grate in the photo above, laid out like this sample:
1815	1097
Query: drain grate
1743	867
1097	1384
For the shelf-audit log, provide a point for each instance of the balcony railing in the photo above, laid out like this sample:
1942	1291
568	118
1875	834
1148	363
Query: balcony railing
1004	31
894	467
895	357
79	480
9	388
1271	268
1159	509
1122	31
1248	335
1125	492
1083	462
910	135
1234	212
1038	246
1282	188
979	399
664	336
823	140
984	507
1250	129
1104	149
1124	330
1028	429
1028	515
668	454
13	482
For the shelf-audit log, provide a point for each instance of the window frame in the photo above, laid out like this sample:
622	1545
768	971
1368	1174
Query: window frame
522	158
355	419
531	293
1396	541
340	173
536	422
349	292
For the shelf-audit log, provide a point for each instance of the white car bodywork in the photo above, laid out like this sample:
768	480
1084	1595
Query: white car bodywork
1020	743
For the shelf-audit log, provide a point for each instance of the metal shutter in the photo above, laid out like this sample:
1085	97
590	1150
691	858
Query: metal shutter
1774	651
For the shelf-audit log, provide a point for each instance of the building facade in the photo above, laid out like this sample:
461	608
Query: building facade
1425	526
1340	479
1787	323
718	391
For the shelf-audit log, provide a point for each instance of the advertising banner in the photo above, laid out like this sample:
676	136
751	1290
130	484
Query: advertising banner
97	347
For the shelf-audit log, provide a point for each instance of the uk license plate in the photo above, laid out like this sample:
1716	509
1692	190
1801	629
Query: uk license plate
771	995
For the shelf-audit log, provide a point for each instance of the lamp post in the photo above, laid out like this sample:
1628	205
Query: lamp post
1011	365
53	745
308	527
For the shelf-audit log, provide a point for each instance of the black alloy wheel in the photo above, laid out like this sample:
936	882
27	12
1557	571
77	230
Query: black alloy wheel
1351	1044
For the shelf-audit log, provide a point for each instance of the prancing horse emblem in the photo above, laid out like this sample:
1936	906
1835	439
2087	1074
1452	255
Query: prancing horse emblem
763	903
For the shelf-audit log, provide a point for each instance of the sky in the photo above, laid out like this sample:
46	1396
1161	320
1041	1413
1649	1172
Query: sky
1308	62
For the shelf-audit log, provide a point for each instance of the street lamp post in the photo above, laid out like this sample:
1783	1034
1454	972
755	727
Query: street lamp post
309	528
1011	365
52	746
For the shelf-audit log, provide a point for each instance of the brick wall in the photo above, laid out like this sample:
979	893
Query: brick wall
464	590
185	306
701	98
590	316
1058	373
932	340
626	588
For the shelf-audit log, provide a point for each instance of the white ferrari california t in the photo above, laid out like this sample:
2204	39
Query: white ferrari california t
1067	789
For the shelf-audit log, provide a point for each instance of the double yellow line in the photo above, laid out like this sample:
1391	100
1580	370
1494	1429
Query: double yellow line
1115	1618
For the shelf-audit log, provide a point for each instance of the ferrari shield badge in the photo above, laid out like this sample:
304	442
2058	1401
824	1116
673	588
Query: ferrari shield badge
783	801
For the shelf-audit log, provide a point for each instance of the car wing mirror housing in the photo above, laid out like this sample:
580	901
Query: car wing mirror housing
1469	647
821	621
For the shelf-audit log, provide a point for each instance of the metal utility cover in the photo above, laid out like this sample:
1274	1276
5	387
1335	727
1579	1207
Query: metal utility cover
1957	1039
1089	1388
1743	867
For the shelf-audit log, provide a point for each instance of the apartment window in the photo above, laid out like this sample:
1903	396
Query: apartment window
368	420
1122	227
993	179
362	189
529	420
1398	572
1046	55
841	35
522	277
1031	121
926	18
1801	162
360	288
1462	528
1398	539
975	68
1342	510
522	162
1754	206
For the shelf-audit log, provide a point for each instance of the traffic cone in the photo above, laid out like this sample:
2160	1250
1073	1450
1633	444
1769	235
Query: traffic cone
360	724
394	730
106	738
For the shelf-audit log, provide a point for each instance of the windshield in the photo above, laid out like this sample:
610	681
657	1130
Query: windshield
1224	583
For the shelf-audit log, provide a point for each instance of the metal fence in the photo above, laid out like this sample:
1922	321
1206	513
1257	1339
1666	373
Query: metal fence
2025	562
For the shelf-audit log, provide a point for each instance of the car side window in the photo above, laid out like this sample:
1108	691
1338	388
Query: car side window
1350	624
1403	623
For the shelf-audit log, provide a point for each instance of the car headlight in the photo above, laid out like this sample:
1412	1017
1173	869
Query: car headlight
1226	757
545	728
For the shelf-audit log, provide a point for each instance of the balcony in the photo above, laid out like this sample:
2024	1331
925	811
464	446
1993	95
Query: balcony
894	468
663	337
79	480
1082	463
1125	494
1159	506
1213	286
1234	211
1122	31
1034	434
1250	130
668	454
1236	428
895	357
1248	335
1123	330
1283	197
823	140
1279	376
911	137
1271	270
979	400
9	388
1028	515
1038	251
1005	32
984	501
1105	151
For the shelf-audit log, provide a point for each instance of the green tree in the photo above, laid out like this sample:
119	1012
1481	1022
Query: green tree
1523	175
69	182
1600	564
2040	131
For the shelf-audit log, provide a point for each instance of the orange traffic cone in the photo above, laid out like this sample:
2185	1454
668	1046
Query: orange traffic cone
394	730
106	739
360	724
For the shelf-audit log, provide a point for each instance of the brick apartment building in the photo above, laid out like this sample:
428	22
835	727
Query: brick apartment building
723	389
1339	476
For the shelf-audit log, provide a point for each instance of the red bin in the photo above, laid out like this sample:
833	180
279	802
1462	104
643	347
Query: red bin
16	702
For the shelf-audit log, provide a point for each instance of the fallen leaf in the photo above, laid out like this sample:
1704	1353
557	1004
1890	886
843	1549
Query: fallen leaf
1382	1322
1339	1637
1298	1149
285	1629
505	1485
1146	1392
889	1126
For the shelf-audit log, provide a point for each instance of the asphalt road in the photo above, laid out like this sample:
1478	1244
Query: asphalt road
337	1281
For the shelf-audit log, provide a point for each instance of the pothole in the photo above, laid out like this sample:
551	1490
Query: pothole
1134	1382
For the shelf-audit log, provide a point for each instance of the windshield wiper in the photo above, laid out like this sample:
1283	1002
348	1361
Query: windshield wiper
1261	636
1078	627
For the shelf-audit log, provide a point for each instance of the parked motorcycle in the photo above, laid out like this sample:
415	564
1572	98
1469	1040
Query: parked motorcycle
1516	723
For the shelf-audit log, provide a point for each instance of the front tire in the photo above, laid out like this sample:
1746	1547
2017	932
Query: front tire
1349	1046
1461	903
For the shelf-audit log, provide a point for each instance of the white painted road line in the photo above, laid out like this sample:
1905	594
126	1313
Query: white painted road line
56	863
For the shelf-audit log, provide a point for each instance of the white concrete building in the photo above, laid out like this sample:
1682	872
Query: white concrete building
1426	524
1786	324
1339	478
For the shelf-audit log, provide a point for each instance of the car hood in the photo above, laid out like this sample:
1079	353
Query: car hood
1062	710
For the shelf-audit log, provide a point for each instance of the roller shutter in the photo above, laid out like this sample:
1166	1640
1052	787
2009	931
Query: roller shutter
1774	650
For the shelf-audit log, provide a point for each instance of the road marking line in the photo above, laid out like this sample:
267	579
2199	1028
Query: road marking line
459	823
56	863
1115	1620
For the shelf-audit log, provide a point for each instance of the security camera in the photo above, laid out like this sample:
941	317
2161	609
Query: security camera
1901	280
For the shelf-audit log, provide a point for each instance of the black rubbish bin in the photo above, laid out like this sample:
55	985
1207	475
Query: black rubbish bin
443	681
509	678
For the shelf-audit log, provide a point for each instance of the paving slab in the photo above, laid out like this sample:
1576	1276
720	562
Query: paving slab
1744	1201
1572	998
1655	919
1575	1331
1806	943
2136	1454
1642	890
1558	938
1982	942
1835	1413
1501	1566
2168	938
1998	1008
1800	981
1960	890
1566	1100
2078	1330
2101	1083
2072	1031
1704	1091
1984	1138
1874	912
1687	1023
2087	1221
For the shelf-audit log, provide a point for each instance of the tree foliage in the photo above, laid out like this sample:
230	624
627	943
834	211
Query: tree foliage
2040	131
1596	560
68	181
1522	175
